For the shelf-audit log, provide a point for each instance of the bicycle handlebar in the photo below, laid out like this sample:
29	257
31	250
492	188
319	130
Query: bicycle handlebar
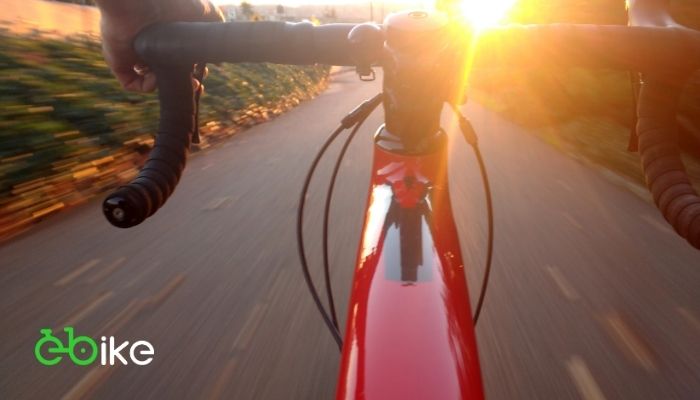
170	50
640	48
657	126
650	50
131	204
662	52
265	41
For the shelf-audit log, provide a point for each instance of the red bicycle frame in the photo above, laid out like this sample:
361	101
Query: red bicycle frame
409	328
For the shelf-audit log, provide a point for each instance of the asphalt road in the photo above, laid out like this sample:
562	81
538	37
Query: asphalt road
592	296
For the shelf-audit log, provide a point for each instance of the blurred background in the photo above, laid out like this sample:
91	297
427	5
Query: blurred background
65	122
592	297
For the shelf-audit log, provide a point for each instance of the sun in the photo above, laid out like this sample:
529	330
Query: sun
485	13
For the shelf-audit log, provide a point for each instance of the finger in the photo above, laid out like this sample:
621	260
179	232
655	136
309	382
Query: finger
211	12
141	69
134	82
133	76
122	61
216	15
199	11
149	82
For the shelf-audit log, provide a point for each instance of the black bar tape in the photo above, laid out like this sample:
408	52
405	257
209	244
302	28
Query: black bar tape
302	43
133	203
663	168
171	49
665	55
651	50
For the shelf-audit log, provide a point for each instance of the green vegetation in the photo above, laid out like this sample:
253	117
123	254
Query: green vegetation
68	131
583	112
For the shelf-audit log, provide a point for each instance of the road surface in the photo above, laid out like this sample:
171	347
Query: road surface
592	296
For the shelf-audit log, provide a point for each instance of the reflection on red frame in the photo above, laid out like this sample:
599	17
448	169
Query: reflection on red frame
409	331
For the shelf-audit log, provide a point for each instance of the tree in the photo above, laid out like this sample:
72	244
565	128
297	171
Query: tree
280	9
330	13
247	10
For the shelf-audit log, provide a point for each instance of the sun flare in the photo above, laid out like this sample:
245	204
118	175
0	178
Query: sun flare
485	13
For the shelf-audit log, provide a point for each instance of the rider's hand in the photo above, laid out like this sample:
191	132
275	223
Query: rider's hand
122	20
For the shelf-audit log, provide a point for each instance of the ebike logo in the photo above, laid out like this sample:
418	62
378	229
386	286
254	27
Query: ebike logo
83	350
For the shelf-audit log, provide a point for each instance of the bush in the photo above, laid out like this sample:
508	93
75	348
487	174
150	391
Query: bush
65	122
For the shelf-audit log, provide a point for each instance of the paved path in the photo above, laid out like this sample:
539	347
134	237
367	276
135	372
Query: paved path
592	296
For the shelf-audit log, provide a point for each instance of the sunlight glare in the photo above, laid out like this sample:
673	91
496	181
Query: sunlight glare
485	13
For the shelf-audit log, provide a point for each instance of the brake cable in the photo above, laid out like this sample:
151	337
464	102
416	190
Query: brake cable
471	138
371	105
356	119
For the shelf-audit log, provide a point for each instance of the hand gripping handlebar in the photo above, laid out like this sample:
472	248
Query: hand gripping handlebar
171	50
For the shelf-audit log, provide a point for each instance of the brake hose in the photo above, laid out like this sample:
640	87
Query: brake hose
473	141
356	119
370	105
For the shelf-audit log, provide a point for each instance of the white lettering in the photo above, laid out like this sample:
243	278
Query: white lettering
103	351
116	351
148	351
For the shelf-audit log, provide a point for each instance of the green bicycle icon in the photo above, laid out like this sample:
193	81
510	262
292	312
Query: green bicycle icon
82	350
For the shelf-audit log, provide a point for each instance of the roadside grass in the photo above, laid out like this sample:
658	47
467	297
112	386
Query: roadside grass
68	131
